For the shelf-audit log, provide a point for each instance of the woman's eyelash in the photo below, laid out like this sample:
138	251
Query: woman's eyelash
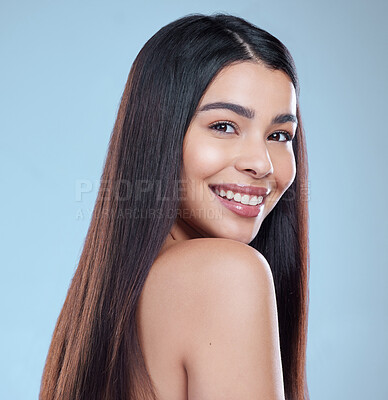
234	126
218	123
288	136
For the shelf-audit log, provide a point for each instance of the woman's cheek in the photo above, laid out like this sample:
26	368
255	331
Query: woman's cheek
202	160
286	170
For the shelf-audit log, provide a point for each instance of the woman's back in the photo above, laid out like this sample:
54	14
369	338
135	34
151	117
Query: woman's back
207	323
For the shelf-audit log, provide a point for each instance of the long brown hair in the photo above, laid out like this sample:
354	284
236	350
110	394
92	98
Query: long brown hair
95	351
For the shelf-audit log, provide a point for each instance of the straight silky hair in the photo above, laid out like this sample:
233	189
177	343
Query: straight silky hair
95	351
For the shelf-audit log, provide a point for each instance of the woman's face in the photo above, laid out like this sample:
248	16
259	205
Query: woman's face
240	135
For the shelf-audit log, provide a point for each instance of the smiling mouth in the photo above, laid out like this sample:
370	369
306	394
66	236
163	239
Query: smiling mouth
245	195
238	203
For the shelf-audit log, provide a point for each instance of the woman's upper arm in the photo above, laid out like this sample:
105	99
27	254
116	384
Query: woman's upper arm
231	333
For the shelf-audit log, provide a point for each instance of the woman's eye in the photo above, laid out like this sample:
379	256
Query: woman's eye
280	135
224	126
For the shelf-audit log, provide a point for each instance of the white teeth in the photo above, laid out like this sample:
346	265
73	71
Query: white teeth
229	194
253	201
237	197
243	199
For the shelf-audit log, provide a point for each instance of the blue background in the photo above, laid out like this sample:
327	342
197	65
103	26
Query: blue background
62	72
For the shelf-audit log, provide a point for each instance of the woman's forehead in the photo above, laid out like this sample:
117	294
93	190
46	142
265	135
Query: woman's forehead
254	85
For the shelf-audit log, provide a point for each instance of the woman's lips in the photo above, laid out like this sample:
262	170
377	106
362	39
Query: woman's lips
243	210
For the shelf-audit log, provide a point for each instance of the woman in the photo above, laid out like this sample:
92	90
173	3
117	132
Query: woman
200	221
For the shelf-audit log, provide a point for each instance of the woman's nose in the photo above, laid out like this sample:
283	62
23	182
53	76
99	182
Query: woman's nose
255	159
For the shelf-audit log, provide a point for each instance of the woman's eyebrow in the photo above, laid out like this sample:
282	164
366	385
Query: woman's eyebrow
240	110
248	112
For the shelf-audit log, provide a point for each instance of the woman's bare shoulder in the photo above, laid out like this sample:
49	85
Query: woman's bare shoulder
206	262
209	250
219	299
